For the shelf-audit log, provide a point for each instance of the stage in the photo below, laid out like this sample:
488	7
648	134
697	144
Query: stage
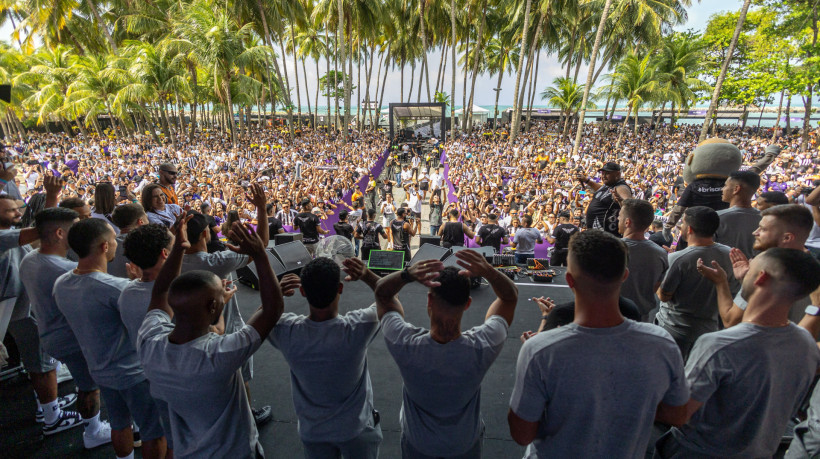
271	383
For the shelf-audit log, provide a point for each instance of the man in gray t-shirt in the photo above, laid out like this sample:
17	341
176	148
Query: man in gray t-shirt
738	222
442	368
525	239
689	302
592	388
748	380
327	355
647	261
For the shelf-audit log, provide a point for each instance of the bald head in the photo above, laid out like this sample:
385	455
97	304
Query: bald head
196	297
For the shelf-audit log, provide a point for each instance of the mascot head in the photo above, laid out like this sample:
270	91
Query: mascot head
713	158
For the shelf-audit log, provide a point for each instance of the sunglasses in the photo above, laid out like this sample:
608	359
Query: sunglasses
168	172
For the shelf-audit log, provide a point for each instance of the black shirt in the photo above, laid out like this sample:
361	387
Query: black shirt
658	238
274	225
343	229
453	233
561	233
704	192
603	210
370	232
307	222
491	236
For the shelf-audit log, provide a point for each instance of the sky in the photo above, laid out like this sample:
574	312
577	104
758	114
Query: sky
549	68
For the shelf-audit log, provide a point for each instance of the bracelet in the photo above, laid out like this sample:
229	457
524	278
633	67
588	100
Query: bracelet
544	317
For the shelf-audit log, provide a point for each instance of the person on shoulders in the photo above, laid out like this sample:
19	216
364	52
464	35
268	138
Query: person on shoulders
327	355
442	368
593	388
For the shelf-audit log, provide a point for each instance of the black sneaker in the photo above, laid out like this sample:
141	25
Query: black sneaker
64	402
67	420
261	415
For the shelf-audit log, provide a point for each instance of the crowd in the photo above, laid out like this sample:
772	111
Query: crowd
119	266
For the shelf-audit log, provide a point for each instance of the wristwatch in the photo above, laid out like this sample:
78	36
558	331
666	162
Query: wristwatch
812	310
405	276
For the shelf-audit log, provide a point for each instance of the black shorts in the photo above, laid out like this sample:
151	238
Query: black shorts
415	214
424	186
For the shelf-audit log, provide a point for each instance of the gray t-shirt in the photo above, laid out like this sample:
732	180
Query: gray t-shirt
329	379
200	381
736	227
116	267
11	253
806	442
133	303
647	265
39	272
751	380
89	303
693	309
525	239
595	391
441	399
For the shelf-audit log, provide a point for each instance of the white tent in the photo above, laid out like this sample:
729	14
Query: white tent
480	115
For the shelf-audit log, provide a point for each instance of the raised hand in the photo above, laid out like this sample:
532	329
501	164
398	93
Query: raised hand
52	184
289	284
257	196
715	274
180	230
134	271
228	289
425	272
527	335
474	264
740	264
354	268
249	242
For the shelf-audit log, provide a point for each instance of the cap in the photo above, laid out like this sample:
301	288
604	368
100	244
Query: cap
196	225
610	167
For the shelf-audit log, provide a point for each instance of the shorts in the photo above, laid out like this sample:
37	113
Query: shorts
165	419
386	219
424	186
311	248
135	403
415	214
34	358
79	371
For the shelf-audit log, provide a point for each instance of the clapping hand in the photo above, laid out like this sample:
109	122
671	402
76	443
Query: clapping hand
740	264
180	230
545	304
715	274
249	242
257	196
228	289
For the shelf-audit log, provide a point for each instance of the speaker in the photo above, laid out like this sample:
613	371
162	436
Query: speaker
293	255
5	92
283	238
430	252
249	276
488	252
427	239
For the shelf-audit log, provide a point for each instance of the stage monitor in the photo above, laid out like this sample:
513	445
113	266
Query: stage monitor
293	255
430	252
386	260
488	253
250	277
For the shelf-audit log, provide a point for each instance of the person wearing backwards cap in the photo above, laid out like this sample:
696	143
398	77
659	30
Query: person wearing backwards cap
605	206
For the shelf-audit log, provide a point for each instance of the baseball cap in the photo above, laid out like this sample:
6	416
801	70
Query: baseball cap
196	225
610	167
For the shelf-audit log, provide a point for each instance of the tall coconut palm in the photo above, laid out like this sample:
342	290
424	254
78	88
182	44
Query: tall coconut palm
635	82
97	81
501	55
680	60
566	95
704	130
516	121
51	74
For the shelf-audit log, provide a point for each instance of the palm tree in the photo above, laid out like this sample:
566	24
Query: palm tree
97	81
501	55
50	75
634	81
566	95
680	59
704	130
516	121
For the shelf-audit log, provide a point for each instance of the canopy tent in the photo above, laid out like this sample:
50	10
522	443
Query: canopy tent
421	120
480	115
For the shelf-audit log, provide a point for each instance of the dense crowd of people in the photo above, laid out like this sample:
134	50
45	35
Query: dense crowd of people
117	261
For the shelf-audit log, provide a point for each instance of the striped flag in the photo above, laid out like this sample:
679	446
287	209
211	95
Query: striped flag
191	163
242	161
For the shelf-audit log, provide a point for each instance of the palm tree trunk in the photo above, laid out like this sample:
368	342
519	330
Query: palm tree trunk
723	69
440	67
401	85
464	108
349	79
424	65
595	48
453	79
376	90
804	143
421	82
340	37
659	117
497	93
779	111
307	94
316	94
788	112
516	120
532	90
226	86
296	75
530	58
412	81
476	61
381	97
100	25
623	127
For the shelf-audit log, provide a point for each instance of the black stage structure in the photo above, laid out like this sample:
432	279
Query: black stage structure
421	120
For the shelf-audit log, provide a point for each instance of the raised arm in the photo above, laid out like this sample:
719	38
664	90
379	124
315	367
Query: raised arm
730	313
475	265
423	272
357	270
171	269
265	318
259	200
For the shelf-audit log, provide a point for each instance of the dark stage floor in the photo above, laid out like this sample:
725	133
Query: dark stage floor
271	383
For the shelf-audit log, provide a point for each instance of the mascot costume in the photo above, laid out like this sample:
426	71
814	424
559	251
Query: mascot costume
706	171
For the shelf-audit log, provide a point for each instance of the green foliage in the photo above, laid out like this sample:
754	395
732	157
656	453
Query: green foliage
332	84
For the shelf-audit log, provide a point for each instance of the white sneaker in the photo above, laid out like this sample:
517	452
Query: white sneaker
101	437
67	420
